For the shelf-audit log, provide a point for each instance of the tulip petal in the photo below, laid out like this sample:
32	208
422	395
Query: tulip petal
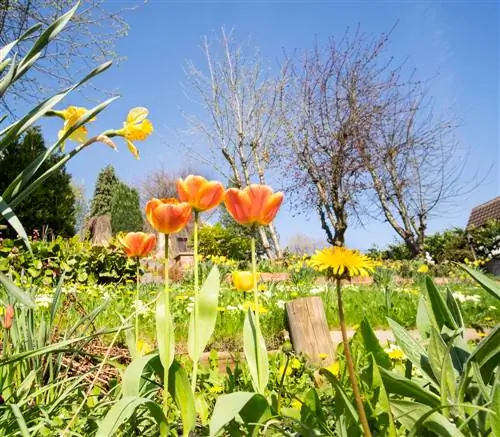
271	208
210	196
258	195
238	205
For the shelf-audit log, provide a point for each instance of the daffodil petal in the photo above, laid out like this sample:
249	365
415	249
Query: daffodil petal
133	149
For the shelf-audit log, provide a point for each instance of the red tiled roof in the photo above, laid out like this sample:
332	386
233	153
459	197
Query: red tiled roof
481	214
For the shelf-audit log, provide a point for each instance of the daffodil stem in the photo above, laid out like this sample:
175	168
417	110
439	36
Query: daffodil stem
350	364
166	297
137	306
196	298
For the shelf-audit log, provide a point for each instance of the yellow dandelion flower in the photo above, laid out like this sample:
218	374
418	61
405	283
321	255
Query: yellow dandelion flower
340	262
281	370
396	354
295	364
296	404
424	268
251	305
323	356
334	369
217	389
136	128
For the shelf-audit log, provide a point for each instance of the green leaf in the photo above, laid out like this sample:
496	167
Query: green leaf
488	284
255	412
132	377
16	292
454	309
381	401
424	322
8	214
409	414
494	416
372	345
413	350
399	385
440	310
442	366
20	420
208	299
227	408
123	410
255	350
486	354
180	390
310	411
165	334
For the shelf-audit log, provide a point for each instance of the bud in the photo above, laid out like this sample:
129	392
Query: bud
8	317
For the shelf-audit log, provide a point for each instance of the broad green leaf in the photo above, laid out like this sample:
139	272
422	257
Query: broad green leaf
123	410
488	284
165	334
381	400
413	350
442	366
454	309
310	411
399	385
208	299
227	408
180	390
8	214
440	310
494	416
254	414
409	413
372	345
424	322
132	377
255	350
16	292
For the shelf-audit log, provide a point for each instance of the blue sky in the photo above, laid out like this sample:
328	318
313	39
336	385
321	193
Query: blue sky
457	42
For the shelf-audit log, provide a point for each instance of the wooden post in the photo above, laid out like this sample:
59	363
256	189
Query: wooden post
309	330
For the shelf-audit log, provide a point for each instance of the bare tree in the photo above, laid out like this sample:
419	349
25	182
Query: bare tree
364	141
301	244
241	102
323	170
88	40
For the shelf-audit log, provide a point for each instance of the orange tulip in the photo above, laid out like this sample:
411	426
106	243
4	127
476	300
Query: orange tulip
255	205
137	244
243	281
201	194
168	215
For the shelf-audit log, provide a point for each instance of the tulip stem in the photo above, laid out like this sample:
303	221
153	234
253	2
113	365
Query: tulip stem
137	307
194	374
256	309
166	297
350	364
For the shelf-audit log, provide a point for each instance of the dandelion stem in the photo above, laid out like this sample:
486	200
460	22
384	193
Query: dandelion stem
196	303
350	364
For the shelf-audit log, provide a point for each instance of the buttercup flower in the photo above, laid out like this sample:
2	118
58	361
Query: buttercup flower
136	128
255	205
168	215
201	194
137	244
424	268
71	115
339	262
243	281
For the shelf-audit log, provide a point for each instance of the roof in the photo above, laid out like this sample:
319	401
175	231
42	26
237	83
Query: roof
481	214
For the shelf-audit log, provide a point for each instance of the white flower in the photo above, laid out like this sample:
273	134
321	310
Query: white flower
267	294
232	308
317	290
280	303
43	301
189	307
141	308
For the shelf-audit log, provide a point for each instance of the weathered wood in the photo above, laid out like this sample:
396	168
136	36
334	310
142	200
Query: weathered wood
309	330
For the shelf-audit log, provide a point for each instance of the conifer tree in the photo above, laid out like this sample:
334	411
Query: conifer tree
126	210
104	191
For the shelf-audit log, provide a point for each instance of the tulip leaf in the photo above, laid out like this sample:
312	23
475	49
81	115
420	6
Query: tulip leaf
165	334
133	376
494	415
202	321
255	350
180	390
228	406
13	220
16	292
124	409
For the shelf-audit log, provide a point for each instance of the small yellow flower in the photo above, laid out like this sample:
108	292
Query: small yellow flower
251	305
334	369
340	262
296	404
281	370
71	115
323	356
181	297
136	128
295	364
143	347
216	389
481	334
395	353
424	268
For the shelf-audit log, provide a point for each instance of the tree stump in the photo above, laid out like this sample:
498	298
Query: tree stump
309	330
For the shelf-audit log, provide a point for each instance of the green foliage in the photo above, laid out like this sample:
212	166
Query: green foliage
105	187
125	209
77	260
486	240
51	206
218	240
450	245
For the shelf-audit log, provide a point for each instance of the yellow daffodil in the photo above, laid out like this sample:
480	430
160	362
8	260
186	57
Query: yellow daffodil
340	262
136	128
71	115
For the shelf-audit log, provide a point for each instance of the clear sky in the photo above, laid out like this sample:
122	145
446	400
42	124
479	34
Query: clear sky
456	41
